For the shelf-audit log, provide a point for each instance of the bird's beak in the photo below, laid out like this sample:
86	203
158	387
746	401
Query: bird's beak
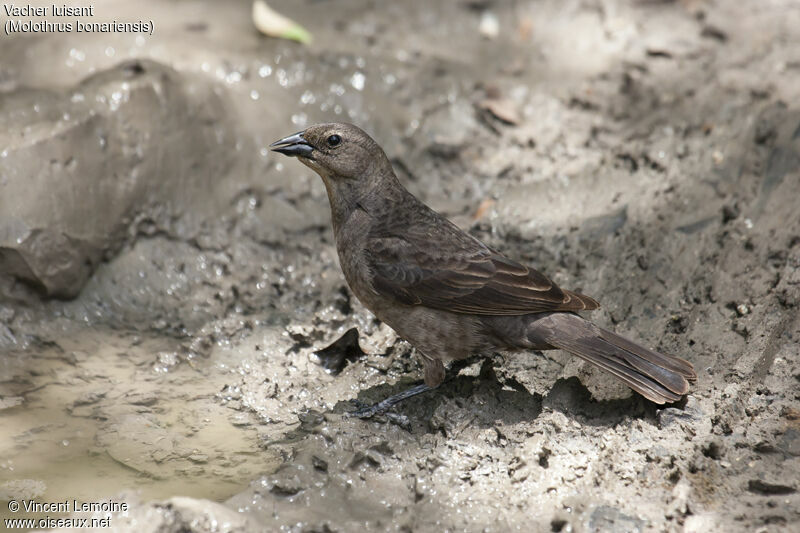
293	145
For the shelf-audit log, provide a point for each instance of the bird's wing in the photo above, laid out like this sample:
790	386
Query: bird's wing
449	269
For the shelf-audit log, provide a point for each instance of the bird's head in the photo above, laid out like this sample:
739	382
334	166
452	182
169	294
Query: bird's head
338	152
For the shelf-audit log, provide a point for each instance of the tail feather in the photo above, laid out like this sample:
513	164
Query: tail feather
657	384
658	377
645	386
670	362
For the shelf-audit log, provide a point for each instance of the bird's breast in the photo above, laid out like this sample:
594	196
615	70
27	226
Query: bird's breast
351	240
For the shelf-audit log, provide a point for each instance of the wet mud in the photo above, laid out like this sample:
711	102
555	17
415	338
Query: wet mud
168	285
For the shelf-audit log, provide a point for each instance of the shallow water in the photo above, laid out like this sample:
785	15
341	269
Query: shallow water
106	410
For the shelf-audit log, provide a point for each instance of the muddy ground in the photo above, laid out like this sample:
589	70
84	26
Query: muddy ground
166	279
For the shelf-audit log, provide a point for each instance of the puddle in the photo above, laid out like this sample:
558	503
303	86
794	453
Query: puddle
105	411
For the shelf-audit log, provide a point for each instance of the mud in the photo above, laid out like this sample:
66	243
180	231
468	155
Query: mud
645	153
84	169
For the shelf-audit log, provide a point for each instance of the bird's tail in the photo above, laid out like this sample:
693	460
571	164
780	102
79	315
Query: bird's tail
658	377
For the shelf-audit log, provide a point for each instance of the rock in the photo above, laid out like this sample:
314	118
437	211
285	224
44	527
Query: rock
176	515
336	356
669	416
790	442
11	401
606	518
768	489
82	168
714	450
22	489
289	480
502	109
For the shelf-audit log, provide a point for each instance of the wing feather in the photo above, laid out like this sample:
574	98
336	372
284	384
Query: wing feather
462	275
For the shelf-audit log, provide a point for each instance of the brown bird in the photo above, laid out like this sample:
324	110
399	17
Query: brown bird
444	291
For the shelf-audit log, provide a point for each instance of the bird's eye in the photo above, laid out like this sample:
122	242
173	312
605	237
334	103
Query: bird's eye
334	140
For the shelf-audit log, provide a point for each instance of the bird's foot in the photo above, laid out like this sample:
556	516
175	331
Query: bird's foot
368	411
362	410
365	411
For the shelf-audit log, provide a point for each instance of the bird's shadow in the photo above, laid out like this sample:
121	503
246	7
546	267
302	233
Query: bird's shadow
486	399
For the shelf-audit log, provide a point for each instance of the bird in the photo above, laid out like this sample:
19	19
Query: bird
444	291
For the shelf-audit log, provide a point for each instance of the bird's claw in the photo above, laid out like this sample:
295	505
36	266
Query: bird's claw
364	411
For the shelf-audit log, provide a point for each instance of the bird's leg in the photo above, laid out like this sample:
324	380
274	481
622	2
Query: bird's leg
384	405
434	376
